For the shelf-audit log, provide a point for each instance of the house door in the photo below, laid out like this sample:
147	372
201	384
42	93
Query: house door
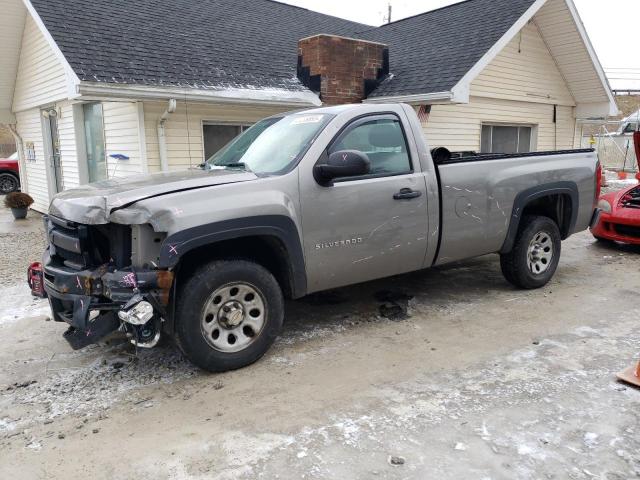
52	147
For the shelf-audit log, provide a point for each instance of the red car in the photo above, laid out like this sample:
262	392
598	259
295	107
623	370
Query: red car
620	217
9	175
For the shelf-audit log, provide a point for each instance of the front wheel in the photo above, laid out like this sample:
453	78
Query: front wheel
228	315
535	255
8	183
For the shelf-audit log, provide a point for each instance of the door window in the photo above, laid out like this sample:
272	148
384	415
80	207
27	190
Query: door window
384	142
94	137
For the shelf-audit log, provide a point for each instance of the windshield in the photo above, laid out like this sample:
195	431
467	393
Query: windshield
271	146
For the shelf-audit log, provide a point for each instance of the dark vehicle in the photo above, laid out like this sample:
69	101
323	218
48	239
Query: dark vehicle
9	175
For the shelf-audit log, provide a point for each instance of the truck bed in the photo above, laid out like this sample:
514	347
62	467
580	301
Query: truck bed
478	192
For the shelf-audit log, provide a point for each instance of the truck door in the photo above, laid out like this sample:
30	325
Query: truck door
359	229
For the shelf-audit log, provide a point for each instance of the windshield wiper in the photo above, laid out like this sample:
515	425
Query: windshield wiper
242	165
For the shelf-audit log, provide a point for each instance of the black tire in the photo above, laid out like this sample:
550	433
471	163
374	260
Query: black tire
517	266
8	183
196	295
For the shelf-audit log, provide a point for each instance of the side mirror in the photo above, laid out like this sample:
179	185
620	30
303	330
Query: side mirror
342	164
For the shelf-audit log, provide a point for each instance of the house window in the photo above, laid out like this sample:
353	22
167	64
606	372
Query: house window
506	139
215	136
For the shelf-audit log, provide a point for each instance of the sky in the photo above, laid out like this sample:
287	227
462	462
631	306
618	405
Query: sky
612	25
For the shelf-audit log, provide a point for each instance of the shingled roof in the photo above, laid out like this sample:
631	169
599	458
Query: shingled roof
191	43
218	44
431	52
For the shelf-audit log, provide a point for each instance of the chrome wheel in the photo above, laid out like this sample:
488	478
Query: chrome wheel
540	253
233	317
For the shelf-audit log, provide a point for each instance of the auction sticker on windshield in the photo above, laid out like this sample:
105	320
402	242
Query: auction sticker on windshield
307	119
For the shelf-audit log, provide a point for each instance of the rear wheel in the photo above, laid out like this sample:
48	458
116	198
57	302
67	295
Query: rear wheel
8	183
228	315
535	255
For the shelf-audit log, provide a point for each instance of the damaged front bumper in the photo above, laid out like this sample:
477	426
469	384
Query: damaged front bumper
89	300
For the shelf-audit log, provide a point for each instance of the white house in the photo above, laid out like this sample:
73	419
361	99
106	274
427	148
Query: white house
96	89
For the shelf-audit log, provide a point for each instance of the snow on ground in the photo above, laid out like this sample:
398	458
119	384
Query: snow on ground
16	303
615	183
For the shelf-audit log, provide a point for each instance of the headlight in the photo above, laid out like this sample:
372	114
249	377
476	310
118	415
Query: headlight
604	206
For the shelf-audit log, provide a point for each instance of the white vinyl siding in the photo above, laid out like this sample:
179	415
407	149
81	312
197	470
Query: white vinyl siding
68	148
41	78
524	70
12	23
519	87
185	147
121	137
563	40
458	127
30	129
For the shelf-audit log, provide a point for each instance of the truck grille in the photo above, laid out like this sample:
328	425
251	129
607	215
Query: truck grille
80	246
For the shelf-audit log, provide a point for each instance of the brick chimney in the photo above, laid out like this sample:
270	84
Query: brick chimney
341	70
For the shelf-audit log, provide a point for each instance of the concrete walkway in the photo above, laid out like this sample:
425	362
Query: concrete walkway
33	222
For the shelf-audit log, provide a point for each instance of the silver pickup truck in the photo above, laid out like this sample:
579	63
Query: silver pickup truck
299	203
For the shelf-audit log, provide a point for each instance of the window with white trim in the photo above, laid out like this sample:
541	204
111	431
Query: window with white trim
507	138
217	135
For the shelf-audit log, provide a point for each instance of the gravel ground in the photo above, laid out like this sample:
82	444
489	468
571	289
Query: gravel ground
19	248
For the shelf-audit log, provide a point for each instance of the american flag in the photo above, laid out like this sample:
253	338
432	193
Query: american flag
423	113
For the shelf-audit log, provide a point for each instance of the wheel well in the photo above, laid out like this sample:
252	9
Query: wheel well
10	172
557	207
265	250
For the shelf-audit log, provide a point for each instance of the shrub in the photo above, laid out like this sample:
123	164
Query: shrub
18	200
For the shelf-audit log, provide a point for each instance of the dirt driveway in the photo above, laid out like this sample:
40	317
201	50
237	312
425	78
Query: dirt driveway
470	379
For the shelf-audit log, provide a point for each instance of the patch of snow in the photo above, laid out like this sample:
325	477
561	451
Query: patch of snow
525	450
243	450
34	445
586	331
6	425
16	303
533	452
615	183
591	439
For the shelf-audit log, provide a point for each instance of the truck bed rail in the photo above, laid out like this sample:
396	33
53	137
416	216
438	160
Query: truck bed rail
462	157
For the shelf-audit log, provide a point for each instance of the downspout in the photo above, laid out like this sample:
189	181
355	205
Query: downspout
162	141
21	161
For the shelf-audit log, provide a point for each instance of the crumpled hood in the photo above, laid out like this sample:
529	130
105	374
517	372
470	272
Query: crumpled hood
92	204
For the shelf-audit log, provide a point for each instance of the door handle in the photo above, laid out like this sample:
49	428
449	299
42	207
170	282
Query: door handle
407	194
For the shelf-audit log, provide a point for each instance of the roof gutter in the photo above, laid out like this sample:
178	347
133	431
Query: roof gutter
248	96
435	97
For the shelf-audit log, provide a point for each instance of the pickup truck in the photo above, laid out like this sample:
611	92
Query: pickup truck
9	175
299	203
